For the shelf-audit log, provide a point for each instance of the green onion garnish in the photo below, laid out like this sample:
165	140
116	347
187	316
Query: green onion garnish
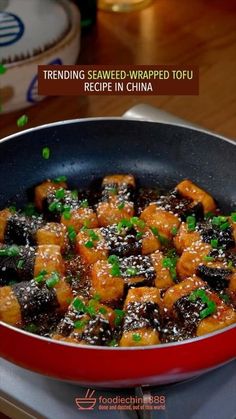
191	222
174	231
112	189
89	244
113	343
208	258
131	271
22	121
102	310
214	243
74	194
53	280
135	221
115	270
71	233
124	223
119	315
233	216
121	205
163	240
20	264
79	324
84	203
96	297
53	206
2	69
67	215
136	337
46	153
217	221
113	259
139	235
11	251
30	210
170	264
225	298
211	305
93	236
32	328
60	179
12	208
224	226
230	264
79	305
208	215
60	193
40	277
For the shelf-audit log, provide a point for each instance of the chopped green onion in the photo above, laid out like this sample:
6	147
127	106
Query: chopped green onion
113	343
67	215
124	223
162	239
60	179
208	258
170	263
224	226
233	216
113	259
137	222
12	208
89	244
210	309
214	243
91	308
113	190
136	337
52	280
96	297
74	194
191	222
230	264
198	293
79	305
139	235
22	121
217	221
53	206
119	315
102	310
208	215
121	205
93	236
131	271
115	270
11	251
32	328
20	264
60	193
79	324
30	210
225	298
3	69
84	203
40	277
71	233
46	153
174	231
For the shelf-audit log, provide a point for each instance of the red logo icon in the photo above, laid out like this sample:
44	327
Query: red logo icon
88	402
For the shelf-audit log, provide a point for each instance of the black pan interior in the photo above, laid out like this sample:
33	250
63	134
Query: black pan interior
158	154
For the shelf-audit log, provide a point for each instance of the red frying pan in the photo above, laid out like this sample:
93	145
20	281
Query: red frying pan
156	153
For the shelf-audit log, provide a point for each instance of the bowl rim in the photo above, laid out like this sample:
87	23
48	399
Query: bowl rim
73	14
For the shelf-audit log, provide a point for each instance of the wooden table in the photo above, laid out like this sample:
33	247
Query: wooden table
199	32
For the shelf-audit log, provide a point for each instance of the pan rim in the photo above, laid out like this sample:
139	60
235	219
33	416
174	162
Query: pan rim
119	348
115	118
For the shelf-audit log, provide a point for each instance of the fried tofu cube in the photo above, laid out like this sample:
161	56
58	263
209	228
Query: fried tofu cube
44	189
79	218
224	316
4	217
53	233
140	337
48	258
110	212
150	242
143	295
179	290
91	250
10	310
64	294
188	189
163	278
110	288
185	238
164	221
191	258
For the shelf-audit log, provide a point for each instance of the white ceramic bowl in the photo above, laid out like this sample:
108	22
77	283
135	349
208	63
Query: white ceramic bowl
34	32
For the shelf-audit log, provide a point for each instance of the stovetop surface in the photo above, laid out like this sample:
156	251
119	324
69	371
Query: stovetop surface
210	396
